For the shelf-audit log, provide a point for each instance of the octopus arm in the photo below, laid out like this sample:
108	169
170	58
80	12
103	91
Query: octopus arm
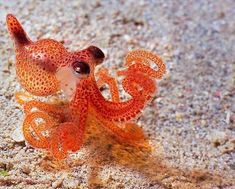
141	93
68	136
124	132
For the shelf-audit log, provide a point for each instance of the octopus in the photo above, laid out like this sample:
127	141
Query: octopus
45	67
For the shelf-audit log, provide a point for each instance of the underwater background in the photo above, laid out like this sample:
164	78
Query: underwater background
190	123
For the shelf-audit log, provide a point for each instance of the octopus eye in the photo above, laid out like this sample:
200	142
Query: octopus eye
81	67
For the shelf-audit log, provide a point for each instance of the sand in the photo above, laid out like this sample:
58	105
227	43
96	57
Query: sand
190	124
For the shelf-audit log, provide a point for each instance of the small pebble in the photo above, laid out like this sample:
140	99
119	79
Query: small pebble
217	94
217	137
228	147
17	135
26	170
232	119
9	166
57	183
70	183
179	116
232	166
228	115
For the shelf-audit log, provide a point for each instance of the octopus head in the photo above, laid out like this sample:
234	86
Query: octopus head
45	66
81	68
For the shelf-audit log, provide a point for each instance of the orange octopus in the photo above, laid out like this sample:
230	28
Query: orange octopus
45	67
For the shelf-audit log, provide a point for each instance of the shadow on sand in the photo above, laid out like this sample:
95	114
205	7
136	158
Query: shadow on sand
104	150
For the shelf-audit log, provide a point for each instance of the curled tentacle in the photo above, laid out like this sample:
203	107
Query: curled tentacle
37	128
138	61
139	85
46	130
138	82
47	133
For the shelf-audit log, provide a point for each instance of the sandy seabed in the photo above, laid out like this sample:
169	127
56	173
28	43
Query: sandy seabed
190	124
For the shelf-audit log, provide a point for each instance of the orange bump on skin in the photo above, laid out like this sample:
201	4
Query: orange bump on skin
44	67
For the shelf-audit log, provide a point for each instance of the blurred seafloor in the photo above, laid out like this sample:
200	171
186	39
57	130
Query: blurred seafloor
191	121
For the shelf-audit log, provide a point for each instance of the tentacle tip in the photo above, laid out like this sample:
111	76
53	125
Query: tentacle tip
9	15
